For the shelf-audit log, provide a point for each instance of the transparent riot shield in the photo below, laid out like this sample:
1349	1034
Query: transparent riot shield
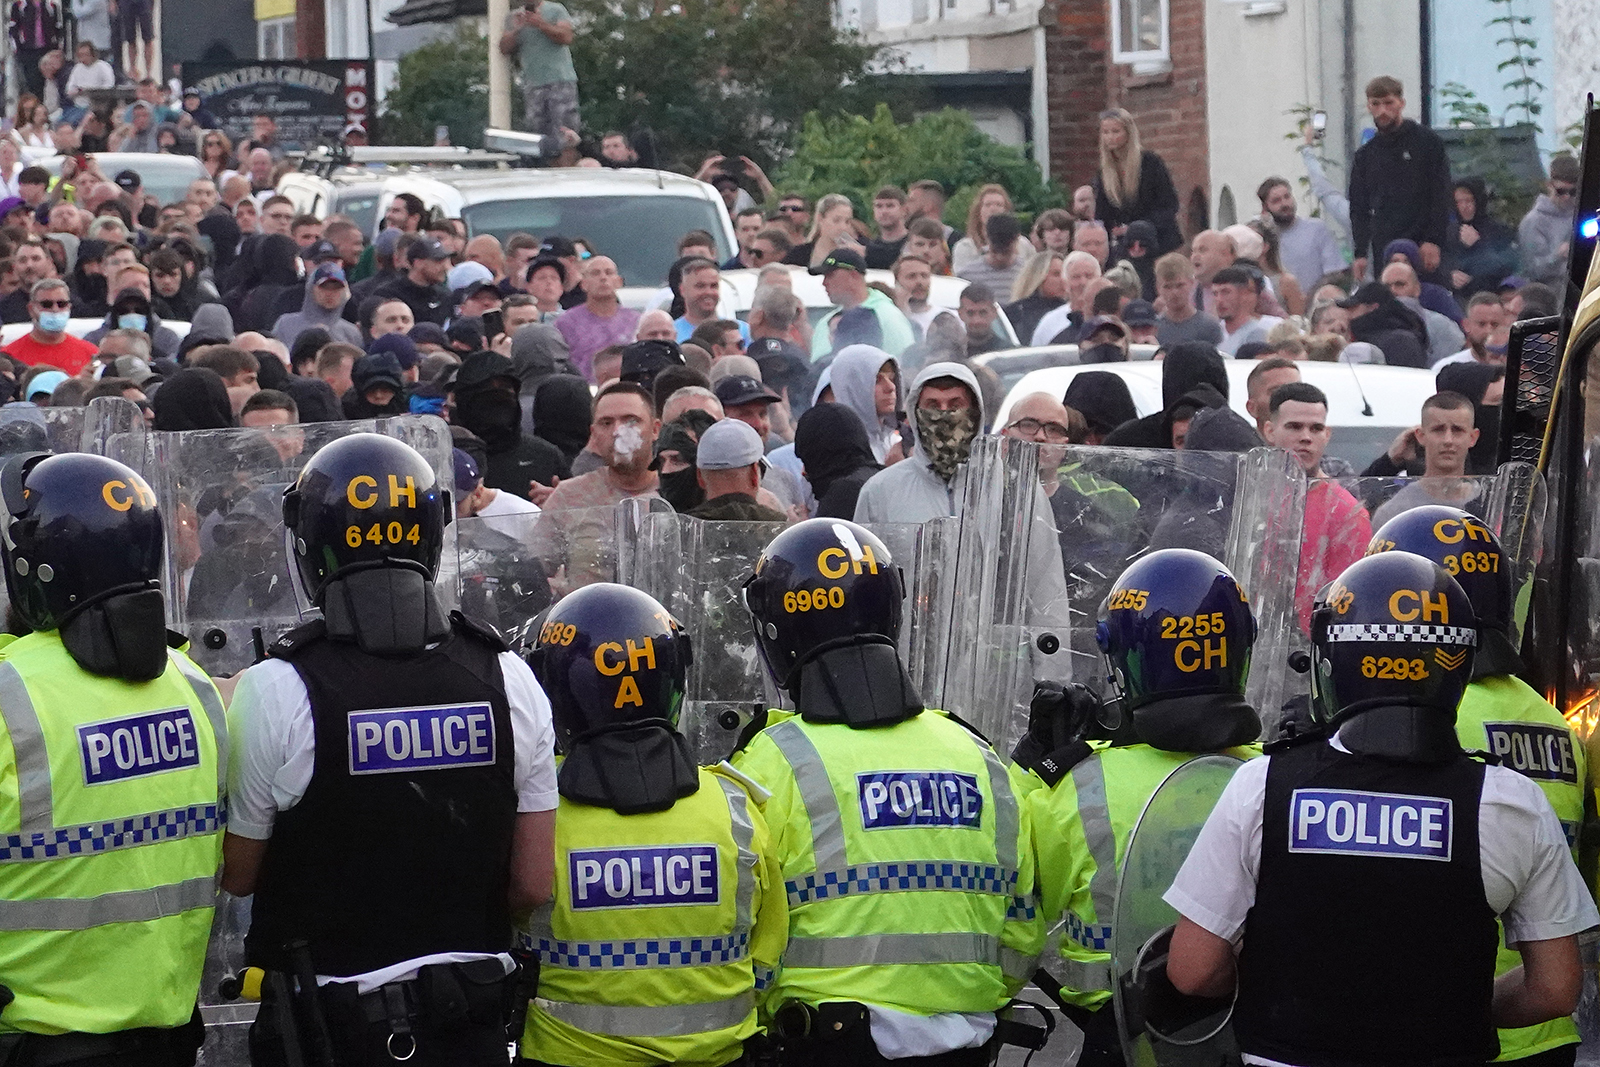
1110	506
230	586
1160	842
1342	514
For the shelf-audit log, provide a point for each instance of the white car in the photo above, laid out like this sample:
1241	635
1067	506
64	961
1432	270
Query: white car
164	176
1368	405
739	289
633	216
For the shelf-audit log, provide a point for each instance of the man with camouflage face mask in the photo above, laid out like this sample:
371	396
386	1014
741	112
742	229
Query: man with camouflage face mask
947	416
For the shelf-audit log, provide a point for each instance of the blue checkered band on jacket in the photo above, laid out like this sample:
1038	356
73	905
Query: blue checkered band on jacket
116	834
901	877
1095	937
764	976
1022	908
1418	633
639	953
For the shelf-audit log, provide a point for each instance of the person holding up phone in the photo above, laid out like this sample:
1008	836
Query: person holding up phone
539	35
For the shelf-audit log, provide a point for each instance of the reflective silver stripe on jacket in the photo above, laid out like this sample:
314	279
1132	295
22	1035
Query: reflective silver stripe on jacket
41	838
1089	779
667	1020
835	876
1082	977
28	748
647	953
877	950
211	702
127	906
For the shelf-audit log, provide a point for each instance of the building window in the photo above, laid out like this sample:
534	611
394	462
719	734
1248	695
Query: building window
275	38
1139	29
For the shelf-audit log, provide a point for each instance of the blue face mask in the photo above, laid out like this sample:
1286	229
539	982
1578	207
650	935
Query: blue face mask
54	321
131	321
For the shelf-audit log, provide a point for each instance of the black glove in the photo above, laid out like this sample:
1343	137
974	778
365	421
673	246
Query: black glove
1058	717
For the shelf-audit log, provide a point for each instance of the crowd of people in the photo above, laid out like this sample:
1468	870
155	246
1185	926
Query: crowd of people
564	399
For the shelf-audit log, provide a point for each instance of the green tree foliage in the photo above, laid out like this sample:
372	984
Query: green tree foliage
445	83
734	77
855	155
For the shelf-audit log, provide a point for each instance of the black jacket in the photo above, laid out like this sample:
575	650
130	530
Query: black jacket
1156	201
1491	257
832	444
1397	330
1399	187
428	303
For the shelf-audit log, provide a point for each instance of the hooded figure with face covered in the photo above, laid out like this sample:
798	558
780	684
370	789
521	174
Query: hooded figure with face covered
131	311
833	445
946	416
1477	245
487	403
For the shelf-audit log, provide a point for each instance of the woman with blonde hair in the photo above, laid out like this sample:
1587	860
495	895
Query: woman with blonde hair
1133	183
1038	290
830	229
991	200
1079	270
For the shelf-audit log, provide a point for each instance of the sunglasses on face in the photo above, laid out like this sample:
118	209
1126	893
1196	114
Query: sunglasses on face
54	305
1564	190
792	209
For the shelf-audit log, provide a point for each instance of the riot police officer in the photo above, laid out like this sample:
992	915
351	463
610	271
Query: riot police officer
1365	868
116	749
907	855
1500	713
669	911
394	792
1176	633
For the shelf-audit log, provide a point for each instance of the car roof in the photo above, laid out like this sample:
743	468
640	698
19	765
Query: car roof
474	185
1394	395
739	287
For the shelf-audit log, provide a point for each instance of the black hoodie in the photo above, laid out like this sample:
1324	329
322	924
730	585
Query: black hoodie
562	413
832	443
1491	257
1187	365
1399	187
486	389
1395	329
1472	380
277	270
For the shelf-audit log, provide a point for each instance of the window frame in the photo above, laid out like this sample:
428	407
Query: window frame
1147	61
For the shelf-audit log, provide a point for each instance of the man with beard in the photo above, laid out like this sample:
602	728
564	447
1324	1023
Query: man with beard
1306	248
486	402
576	525
1399	182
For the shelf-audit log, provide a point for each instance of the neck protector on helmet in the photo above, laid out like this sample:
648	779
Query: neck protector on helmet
1206	723
1408	733
859	681
631	768
123	635
387	611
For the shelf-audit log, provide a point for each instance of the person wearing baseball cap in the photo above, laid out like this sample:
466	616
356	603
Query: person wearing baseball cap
563	250
729	463
746	400
1139	316
1104	339
326	294
422	287
643	360
844	276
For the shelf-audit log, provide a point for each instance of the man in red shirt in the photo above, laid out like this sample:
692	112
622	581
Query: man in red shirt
1337	528
50	307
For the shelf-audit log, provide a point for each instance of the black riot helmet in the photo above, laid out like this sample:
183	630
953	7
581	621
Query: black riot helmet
609	654
83	543
1465	547
820	584
78	528
615	665
1177	633
1393	631
363	502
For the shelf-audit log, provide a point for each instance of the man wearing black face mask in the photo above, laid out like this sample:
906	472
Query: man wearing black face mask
486	403
677	453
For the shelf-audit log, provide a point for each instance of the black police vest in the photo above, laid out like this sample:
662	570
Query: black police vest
1371	941
401	846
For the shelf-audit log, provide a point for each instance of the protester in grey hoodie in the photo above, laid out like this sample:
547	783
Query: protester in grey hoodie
323	305
854	376
1545	232
931	483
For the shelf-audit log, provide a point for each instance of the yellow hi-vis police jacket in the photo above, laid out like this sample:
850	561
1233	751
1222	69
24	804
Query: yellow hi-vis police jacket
664	931
111	819
908	864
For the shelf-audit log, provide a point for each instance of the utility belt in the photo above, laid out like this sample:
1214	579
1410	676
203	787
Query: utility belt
472	1008
176	1045
844	1028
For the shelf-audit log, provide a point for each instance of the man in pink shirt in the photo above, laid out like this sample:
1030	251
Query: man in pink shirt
1337	528
600	321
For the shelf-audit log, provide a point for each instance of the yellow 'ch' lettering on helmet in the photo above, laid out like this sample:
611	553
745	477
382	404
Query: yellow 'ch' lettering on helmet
1432	607
397	491
1190	656
120	495
359	500
1451	531
600	663
836	563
